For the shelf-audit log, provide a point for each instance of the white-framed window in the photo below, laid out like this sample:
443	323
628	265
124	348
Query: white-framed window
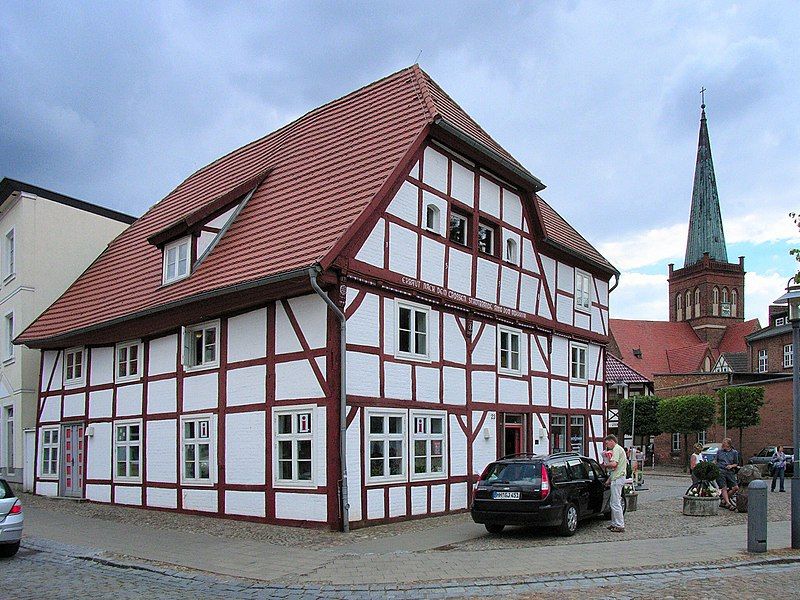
386	443
197	449
128	361
701	437
74	367
433	217
8	336
676	442
429	444
128	450
8	432
509	342
788	357
583	294
486	238
577	367
512	253
201	345
762	360
413	322
780	321
177	256
294	446
50	449
10	251
459	228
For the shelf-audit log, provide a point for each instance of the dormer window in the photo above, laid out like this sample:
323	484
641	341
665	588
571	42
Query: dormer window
176	259
511	251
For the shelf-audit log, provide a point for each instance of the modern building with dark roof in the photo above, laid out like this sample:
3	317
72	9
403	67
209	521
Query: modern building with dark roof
340	323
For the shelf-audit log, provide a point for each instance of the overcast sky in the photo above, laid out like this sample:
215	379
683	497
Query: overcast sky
117	102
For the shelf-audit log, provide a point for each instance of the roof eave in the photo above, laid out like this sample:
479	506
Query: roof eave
605	268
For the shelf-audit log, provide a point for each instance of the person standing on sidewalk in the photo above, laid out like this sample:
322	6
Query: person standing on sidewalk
778	463
616	463
694	460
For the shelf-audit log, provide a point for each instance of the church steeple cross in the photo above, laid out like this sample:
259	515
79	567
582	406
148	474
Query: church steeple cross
703	97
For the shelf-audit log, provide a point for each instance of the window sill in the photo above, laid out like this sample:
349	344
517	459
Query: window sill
74	385
197	483
584	310
386	480
509	373
201	368
579	381
129	379
294	485
413	357
9	361
125	481
428	477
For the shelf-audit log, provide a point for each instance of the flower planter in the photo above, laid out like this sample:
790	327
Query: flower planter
700	506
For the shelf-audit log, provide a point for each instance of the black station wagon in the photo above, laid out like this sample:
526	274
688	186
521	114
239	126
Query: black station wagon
557	490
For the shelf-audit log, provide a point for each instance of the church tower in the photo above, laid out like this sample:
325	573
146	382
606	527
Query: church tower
708	292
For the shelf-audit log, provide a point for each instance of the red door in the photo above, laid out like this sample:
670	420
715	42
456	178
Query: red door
72	460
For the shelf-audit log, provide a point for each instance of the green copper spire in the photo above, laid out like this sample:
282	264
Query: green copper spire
705	219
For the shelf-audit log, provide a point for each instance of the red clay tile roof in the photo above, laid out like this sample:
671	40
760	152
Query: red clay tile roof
616	370
654	339
733	340
324	169
690	359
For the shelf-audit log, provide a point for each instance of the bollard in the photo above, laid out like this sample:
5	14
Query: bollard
757	516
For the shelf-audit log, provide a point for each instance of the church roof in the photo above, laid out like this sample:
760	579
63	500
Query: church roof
644	345
734	338
705	219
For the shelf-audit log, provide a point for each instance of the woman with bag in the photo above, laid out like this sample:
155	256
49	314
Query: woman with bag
778	463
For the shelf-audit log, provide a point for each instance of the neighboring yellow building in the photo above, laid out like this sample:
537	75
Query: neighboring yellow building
46	241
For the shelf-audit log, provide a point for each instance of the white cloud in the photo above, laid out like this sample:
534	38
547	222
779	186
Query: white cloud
758	228
759	292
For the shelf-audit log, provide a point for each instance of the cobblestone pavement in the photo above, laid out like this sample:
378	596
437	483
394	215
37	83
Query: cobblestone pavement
44	569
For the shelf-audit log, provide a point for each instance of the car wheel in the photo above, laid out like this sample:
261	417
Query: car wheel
8	550
569	522
495	528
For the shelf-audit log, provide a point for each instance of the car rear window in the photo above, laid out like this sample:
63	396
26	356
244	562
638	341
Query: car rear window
527	473
5	490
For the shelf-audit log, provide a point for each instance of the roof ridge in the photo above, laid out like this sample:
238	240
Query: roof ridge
419	80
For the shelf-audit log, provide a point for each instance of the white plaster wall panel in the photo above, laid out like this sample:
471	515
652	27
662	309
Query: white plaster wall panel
596	450
559	357
354	468
458	448
47	488
459	272
320	446
564	309
455	385
437	498
486	280
397	501
388	326
52	409
595	394
458	496
455	346
100	404
163	355
604	320
427	384
489	199
566	278
129	400
376	508
538	350
544	440
527	294
202	500
247	336
363	374
512	209
98	493
250	504
361	325
102	365
301	507
311	313
462	184
246	386
483	386
434	322
405	204
577	396
485	352
549	268
204	241
597	323
541	391
98	452
559	393
581	320
245	449
162	396
74	405
48	358
220	221
128	494
597	425
544	305
160	451
402	250
529	261
602	291
286	340
484	450
434	169
162	498
594	367
441	204
371	251
513	390
419	500
200	392
296	379
415	170
432	263
508	287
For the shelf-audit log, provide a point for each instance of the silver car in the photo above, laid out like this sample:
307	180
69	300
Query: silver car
11	519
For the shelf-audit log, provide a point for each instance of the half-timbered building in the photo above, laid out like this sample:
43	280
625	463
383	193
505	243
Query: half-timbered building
338	324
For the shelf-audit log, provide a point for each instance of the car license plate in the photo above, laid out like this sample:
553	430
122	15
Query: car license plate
505	495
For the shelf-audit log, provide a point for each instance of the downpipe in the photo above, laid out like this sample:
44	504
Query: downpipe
313	272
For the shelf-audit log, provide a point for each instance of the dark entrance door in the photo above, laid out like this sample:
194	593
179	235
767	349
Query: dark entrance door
513	434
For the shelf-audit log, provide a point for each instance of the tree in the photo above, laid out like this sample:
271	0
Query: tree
686	414
744	408
646	416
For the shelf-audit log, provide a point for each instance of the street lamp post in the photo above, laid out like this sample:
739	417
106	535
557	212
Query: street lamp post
792	298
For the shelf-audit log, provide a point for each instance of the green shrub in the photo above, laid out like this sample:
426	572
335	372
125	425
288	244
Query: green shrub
706	471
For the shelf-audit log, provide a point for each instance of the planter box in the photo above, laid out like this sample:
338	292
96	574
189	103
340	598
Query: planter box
698	506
